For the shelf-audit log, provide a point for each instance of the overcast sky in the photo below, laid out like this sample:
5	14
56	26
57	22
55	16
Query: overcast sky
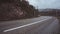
42	4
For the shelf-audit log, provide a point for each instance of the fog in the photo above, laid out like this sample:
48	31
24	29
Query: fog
44	4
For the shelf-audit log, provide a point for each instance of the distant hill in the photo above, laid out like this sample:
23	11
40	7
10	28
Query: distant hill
45	10
50	12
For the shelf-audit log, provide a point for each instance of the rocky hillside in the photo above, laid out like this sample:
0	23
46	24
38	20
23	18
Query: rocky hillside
16	9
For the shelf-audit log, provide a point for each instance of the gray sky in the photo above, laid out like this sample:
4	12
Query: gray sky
42	4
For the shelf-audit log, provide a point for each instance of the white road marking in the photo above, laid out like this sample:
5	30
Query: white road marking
24	25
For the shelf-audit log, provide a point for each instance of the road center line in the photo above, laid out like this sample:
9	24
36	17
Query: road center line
24	25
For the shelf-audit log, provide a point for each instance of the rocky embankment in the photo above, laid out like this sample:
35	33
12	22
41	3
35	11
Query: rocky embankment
16	9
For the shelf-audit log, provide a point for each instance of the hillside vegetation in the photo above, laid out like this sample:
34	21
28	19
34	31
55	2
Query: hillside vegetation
16	9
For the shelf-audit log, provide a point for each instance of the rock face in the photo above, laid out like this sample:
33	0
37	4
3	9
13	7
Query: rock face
15	9
10	11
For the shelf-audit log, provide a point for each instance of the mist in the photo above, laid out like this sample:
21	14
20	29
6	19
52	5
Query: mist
44	4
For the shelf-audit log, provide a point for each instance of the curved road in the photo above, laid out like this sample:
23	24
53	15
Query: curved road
39	25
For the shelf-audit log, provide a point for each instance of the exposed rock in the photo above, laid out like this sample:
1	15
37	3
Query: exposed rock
10	11
15	9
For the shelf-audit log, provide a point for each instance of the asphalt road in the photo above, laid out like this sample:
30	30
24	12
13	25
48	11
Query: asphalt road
39	25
